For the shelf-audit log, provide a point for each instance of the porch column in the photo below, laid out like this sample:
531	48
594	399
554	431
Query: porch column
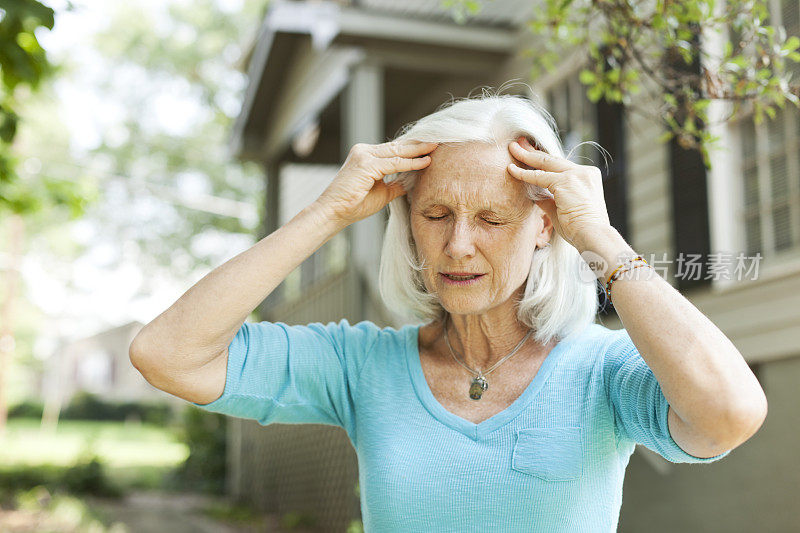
363	121
271	220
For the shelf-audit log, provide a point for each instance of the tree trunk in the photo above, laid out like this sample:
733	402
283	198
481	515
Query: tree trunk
7	344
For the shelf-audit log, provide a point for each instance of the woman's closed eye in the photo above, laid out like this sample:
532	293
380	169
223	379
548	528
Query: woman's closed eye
485	220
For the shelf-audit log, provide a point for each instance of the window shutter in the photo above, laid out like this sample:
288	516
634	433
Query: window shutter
690	211
689	192
611	136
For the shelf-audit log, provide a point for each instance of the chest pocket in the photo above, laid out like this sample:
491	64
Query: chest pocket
552	454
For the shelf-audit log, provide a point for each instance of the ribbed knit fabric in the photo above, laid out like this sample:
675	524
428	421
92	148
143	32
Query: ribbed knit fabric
553	461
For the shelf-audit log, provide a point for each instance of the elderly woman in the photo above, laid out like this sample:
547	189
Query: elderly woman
509	409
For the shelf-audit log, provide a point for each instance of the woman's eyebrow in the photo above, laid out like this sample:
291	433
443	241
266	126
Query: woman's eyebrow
490	203
497	208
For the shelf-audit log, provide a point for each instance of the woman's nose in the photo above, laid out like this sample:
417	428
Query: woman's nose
460	240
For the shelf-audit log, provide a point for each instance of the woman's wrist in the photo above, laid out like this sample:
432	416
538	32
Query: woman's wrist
325	220
604	249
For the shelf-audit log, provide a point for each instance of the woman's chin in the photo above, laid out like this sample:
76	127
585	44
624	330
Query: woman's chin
461	306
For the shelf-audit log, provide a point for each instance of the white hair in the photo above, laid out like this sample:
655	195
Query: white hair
557	302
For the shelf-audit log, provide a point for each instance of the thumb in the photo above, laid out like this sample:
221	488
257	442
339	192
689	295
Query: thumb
396	190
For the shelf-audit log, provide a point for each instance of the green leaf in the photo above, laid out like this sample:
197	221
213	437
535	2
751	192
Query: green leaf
8	125
701	105
594	93
664	137
587	76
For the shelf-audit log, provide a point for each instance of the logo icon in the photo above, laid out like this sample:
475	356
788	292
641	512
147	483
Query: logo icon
592	266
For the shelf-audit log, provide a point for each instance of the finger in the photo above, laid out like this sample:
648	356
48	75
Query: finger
404	149
539	159
390	165
535	176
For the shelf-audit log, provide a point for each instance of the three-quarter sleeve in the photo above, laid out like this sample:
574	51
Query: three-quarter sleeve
295	374
638	403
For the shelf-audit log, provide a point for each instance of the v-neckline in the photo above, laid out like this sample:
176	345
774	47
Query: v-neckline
462	425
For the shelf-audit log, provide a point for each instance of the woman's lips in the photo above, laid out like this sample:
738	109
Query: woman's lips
461	282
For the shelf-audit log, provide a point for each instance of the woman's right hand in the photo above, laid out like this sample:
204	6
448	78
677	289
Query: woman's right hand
358	190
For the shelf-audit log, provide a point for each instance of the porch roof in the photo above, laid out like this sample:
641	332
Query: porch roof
304	53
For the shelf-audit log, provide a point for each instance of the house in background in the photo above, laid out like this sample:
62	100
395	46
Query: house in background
326	75
99	364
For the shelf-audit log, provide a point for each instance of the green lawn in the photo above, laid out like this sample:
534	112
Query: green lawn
134	454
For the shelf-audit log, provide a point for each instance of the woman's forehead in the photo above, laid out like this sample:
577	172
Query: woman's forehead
469	172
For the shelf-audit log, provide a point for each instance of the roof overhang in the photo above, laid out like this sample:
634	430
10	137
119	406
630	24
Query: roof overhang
303	54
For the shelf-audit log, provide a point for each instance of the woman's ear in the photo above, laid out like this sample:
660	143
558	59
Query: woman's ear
547	208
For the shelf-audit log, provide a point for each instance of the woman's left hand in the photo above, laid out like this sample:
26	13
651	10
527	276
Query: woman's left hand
578	208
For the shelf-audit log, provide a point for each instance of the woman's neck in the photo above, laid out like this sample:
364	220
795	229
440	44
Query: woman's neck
478	343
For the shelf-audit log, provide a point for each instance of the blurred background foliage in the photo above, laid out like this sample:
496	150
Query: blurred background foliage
116	141
99	165
191	59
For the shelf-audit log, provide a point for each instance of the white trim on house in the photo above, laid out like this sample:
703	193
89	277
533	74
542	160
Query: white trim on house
725	228
726	186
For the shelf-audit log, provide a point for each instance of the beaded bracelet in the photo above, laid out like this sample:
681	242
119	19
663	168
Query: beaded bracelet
637	258
636	262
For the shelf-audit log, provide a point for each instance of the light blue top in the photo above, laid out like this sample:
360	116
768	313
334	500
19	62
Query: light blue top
552	461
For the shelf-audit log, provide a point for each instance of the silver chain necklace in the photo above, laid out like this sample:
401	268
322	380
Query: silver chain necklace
479	383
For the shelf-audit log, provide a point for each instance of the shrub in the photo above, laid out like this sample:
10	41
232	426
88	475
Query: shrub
26	409
88	406
205	435
87	476
298	519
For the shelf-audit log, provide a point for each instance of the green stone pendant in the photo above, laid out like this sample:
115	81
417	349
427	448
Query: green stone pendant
478	386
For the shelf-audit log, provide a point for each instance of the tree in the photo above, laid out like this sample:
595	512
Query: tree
632	43
184	58
129	185
23	66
